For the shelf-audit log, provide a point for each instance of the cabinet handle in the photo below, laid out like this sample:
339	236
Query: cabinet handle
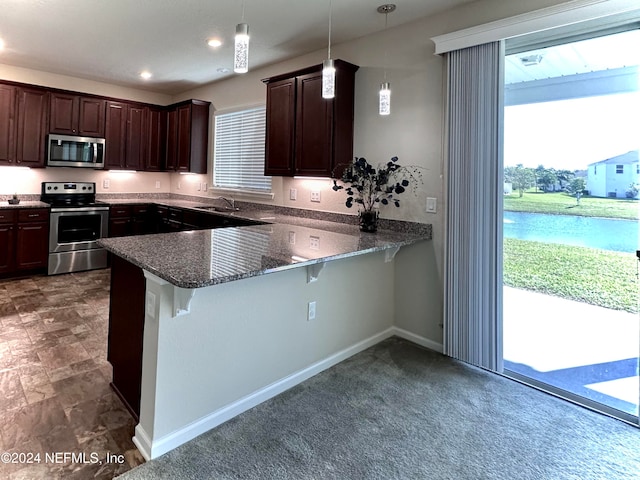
34	215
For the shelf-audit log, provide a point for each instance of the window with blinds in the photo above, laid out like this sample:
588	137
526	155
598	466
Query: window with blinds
238	162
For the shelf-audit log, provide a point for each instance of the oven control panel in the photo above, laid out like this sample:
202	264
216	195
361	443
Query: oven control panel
68	188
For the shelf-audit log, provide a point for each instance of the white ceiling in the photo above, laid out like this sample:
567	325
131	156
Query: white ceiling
114	40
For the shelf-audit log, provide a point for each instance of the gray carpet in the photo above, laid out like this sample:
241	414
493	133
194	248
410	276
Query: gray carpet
400	411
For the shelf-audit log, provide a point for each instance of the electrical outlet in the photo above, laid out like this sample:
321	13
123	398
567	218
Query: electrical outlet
293	194
199	187
292	238
314	243
311	311
179	185
157	183
105	183
431	204
204	186
315	197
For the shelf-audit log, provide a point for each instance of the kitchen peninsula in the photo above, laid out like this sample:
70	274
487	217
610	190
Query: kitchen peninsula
231	317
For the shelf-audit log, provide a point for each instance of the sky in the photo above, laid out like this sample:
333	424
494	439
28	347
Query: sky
570	134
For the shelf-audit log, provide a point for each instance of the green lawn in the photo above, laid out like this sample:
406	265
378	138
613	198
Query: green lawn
561	203
597	277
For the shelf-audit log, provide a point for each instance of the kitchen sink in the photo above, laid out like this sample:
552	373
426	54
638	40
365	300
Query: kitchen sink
215	208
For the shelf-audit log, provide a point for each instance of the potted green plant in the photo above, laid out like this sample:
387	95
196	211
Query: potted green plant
14	200
372	187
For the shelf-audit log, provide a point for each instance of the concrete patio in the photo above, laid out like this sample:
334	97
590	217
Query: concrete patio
588	350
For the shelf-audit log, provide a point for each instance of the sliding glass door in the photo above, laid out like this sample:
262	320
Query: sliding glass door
571	204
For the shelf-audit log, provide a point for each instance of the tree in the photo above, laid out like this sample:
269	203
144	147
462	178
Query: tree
547	179
565	177
521	178
576	187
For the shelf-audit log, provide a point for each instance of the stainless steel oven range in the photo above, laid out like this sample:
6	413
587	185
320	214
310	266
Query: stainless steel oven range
76	224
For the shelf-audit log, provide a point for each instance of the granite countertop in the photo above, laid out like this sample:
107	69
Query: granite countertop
24	204
202	258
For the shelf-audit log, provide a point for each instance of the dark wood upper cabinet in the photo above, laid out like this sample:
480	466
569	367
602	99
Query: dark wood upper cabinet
308	135
23	125
156	139
77	115
188	136
280	134
32	126
7	125
136	137
115	135
125	136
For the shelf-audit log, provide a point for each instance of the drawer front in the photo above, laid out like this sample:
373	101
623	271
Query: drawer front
140	209
175	215
162	211
33	215
120	211
7	216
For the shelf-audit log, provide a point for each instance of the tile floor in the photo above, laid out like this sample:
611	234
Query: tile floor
55	398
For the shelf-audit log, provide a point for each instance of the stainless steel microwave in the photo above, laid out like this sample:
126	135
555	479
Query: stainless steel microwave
71	151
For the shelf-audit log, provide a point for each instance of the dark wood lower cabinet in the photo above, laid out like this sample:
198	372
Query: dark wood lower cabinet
126	327
24	240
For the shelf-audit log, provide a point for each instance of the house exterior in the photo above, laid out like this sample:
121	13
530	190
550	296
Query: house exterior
613	177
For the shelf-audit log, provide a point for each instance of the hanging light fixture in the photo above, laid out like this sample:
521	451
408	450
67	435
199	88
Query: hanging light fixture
328	68
384	96
241	51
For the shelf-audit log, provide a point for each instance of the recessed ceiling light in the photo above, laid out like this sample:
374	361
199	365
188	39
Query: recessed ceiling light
214	42
146	75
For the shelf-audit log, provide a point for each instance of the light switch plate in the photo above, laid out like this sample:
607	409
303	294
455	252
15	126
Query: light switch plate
105	183
157	183
431	205
293	194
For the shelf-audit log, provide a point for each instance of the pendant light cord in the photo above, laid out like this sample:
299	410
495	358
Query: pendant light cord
330	12
242	11
386	50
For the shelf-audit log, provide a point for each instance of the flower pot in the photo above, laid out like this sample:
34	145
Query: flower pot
369	221
14	201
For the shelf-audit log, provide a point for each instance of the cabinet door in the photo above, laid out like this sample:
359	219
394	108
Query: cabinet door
7	125
156	137
91	117
172	140
136	137
7	263
63	111
32	246
31	133
184	138
281	110
115	135
314	120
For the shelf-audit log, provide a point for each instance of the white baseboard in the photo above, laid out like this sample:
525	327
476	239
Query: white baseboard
417	339
154	448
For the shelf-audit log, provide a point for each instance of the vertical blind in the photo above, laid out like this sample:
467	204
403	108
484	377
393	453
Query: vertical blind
239	150
473	256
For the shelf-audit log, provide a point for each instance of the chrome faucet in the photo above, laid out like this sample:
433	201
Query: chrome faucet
231	203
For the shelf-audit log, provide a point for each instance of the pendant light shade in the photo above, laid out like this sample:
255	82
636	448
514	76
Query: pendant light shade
328	68
385	99
328	79
241	53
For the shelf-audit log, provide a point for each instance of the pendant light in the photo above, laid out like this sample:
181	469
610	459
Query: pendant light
384	96
241	51
328	68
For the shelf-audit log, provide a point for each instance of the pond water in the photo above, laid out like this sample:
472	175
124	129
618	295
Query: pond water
602	233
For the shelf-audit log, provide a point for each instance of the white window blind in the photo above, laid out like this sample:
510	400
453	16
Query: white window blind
239	151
